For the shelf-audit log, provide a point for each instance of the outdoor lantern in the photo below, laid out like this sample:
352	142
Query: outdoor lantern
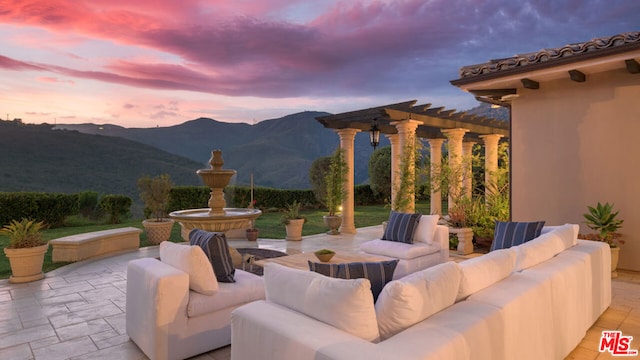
374	135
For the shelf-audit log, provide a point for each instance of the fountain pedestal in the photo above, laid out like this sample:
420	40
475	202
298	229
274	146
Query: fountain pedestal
217	217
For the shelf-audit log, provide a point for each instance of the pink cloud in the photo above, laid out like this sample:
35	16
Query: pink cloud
350	48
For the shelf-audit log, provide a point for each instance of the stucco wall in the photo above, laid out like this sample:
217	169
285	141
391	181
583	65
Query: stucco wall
574	144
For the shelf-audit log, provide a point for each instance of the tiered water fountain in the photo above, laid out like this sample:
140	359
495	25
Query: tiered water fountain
217	217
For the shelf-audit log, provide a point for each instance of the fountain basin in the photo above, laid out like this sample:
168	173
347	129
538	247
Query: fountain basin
233	218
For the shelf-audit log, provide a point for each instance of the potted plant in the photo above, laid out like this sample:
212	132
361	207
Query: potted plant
252	232
293	221
335	192
458	225
603	220
154	192
26	250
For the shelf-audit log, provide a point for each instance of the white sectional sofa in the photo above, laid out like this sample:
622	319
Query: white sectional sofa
167	319
532	301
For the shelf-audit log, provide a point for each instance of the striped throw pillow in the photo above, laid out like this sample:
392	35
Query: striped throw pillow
215	246
401	227
508	234
378	273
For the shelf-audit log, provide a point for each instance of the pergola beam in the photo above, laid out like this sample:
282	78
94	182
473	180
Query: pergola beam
441	123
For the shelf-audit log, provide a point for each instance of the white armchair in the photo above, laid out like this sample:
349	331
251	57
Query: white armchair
430	247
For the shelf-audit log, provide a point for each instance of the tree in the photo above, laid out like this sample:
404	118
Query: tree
380	172
319	168
335	179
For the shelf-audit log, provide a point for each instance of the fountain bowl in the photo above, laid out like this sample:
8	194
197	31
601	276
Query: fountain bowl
203	219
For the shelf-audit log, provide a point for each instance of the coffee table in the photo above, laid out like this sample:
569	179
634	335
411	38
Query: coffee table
300	261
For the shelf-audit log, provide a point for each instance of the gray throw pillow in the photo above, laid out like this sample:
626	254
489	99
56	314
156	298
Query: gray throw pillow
216	248
508	234
378	273
401	227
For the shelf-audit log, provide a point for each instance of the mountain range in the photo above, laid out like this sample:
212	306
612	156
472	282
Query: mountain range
278	152
109	158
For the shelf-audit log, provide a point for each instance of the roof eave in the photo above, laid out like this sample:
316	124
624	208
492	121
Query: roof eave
548	64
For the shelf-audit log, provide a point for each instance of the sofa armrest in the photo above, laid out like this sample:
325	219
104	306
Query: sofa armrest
442	237
157	297
264	330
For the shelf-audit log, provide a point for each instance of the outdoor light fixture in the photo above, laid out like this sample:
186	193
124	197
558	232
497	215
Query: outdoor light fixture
374	134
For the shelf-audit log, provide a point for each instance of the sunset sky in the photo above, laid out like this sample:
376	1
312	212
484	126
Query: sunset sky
150	63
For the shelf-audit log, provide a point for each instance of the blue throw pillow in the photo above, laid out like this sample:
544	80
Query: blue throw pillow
216	248
378	273
508	234
401	227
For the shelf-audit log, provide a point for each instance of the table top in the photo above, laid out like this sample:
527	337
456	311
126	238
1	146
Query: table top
300	261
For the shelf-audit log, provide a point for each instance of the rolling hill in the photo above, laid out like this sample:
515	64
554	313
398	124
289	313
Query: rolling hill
37	158
279	152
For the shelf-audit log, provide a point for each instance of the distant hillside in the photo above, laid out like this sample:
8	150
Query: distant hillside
37	158
279	152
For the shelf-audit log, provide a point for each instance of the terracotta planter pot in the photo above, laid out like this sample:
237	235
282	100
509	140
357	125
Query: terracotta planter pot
252	234
26	263
294	229
333	222
615	255
158	231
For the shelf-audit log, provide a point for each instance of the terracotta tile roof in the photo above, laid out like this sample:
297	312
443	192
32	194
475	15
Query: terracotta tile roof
573	51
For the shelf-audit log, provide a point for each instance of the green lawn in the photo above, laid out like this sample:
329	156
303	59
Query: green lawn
268	223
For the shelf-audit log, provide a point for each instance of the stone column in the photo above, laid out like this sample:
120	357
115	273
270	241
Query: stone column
407	138
490	161
347	137
396	153
454	139
467	156
436	161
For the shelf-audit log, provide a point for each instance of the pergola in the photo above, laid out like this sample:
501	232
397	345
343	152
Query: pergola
401	123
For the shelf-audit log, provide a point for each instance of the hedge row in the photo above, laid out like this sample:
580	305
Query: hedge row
195	197
52	209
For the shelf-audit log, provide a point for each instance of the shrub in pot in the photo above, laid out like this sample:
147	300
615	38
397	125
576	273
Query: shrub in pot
154	192
335	192
604	221
293	221
26	249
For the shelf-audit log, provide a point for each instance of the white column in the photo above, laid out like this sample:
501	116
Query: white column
467	156
407	138
347	137
454	139
436	160
490	161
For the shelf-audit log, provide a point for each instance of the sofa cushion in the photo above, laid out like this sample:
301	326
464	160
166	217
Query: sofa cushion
508	234
399	250
407	301
483	271
401	227
540	249
193	261
426	230
567	232
247	288
216	248
343	304
378	273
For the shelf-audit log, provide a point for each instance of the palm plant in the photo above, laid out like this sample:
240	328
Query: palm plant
25	233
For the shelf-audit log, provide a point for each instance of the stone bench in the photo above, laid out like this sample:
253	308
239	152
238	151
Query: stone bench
83	246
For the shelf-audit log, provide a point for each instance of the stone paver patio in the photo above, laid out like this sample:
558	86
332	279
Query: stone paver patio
78	311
